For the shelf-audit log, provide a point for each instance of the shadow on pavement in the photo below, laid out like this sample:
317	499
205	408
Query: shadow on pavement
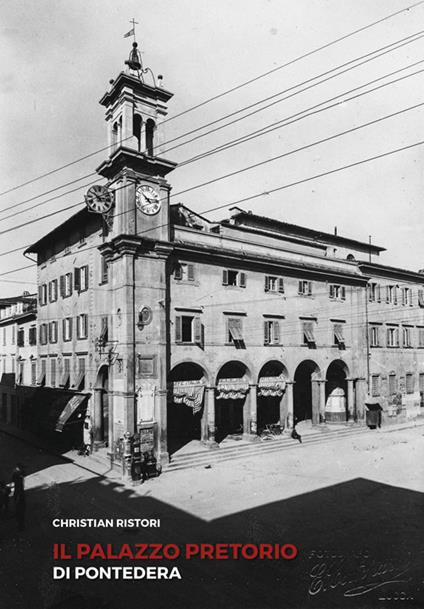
358	542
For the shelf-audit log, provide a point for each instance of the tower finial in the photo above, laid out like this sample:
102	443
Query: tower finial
132	30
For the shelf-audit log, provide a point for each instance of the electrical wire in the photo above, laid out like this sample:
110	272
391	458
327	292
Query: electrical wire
226	92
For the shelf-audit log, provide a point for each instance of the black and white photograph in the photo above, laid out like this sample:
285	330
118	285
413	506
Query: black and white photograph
211	304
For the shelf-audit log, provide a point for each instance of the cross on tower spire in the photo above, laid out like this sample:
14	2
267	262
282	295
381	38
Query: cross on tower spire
132	30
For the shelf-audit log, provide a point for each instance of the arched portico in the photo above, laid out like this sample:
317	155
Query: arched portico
101	407
270	395
307	392
336	392
186	412
232	401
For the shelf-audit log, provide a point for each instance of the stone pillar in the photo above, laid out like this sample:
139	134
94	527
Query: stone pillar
98	418
322	401
248	407
289	405
253	409
210	414
161	417
351	414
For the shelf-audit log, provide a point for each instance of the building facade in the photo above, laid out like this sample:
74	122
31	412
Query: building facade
185	329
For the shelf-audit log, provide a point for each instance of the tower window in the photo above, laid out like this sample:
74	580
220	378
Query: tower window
150	129
137	124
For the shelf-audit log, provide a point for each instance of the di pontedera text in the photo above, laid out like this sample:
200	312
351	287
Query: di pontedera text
171	551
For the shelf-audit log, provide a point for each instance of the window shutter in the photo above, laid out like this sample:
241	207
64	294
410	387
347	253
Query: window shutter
388	337
343	292
276	332
63	328
50	291
370	293
178	329
395	296
70	284
62	285
387	294
190	272
397	337
242	280
70	328
197	331
331	291
281	284
266	332
224	277
309	288
178	272
266	283
300	287
40	294
50	332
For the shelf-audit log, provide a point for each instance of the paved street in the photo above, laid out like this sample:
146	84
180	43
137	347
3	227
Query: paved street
352	507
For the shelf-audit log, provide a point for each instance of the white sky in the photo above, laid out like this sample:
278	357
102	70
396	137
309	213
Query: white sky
58	56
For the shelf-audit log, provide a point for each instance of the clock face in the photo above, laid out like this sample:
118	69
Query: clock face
147	200
99	199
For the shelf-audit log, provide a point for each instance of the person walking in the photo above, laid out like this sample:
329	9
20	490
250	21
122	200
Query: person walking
19	495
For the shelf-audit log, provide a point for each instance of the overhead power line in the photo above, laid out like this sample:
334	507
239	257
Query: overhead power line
271	127
263	193
227	91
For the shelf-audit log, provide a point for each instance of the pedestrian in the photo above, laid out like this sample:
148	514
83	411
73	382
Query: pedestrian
4	499
295	435
19	495
87	436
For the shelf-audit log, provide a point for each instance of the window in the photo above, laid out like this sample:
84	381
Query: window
235	332
308	333
82	326
21	337
81	278
375	385
43	334
104	270
409	378
42	294
393	337
21	370
421	381
64	380
53	290
274	284
79	383
305	288
67	328
392	294
32	335
338	335
33	372
337	292
184	272
13	334
53	372
233	278
188	329
406	296
421	298
42	376
420	337
406	337
374	336
66	285
374	292
271	332
392	383
53	332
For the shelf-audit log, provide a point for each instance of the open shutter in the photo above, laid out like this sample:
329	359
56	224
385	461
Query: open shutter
395	294
224	277
266	332
242	280
178	329
190	272
77	279
62	285
266	283
331	289
40	294
281	285
378	292
309	288
397	337
276	332
387	294
343	292
50	291
300	287
197	331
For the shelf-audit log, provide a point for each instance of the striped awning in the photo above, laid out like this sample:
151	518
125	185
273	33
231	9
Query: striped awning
232	389
189	393
271	386
72	405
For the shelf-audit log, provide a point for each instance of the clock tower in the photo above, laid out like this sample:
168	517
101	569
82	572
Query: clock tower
136	250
